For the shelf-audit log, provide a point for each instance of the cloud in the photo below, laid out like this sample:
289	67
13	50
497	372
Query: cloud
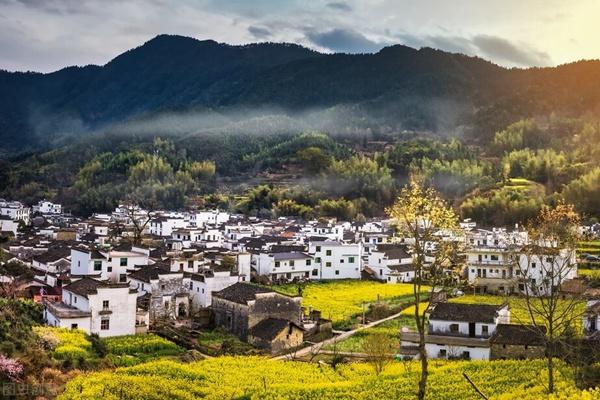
259	32
344	41
499	48
339	6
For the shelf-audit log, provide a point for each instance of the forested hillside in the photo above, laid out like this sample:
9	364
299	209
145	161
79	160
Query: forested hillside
505	180
272	87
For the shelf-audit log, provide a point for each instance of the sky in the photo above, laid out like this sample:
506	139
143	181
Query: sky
47	35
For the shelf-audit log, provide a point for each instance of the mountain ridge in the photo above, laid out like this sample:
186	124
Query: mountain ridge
171	72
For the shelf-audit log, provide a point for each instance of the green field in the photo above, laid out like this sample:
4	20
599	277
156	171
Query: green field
260	378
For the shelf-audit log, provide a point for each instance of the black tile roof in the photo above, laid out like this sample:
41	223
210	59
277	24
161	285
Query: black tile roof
519	335
269	328
241	292
84	286
465	312
394	251
150	272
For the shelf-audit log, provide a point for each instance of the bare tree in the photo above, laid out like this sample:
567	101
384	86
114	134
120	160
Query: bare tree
140	218
379	349
420	214
545	263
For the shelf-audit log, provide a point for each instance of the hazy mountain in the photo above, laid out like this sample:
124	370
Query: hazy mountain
398	88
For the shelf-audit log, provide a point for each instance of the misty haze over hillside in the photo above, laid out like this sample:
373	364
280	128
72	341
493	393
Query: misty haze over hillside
179	85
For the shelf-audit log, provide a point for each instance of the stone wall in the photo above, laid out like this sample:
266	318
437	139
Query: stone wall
274	305
513	351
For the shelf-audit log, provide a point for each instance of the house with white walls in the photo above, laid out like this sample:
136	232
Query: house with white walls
95	307
284	266
46	207
15	210
335	260
164	225
107	264
202	285
459	330
391	263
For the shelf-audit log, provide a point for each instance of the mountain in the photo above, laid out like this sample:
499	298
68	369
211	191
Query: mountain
397	88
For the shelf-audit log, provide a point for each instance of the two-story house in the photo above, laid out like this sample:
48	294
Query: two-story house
392	263
460	330
95	307
335	260
284	266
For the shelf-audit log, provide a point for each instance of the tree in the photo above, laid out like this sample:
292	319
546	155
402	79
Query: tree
379	349
550	259
139	217
420	214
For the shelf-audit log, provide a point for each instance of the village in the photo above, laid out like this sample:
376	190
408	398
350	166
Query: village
200	271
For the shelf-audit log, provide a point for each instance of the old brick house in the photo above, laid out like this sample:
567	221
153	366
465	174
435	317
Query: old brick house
512	341
242	306
276	335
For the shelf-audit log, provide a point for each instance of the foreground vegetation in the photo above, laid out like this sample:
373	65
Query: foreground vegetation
259	378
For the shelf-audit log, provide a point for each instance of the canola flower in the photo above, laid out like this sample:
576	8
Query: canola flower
260	378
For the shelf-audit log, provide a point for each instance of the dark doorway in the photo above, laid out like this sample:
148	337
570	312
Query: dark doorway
471	329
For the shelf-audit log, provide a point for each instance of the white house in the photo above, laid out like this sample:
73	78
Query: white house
164	225
289	265
15	210
460	330
95	307
328	230
47	207
7	224
110	265
391	263
335	260
209	217
202	285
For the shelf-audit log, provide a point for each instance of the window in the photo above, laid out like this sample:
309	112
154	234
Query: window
292	263
123	278
123	262
142	286
318	249
327	252
105	304
341	260
337	272
74	326
318	259
328	264
351	260
97	265
550	259
484	329
277	264
191	285
75	300
104	324
532	265
494	257
308	262
442	353
454	328
109	269
162	287
315	272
